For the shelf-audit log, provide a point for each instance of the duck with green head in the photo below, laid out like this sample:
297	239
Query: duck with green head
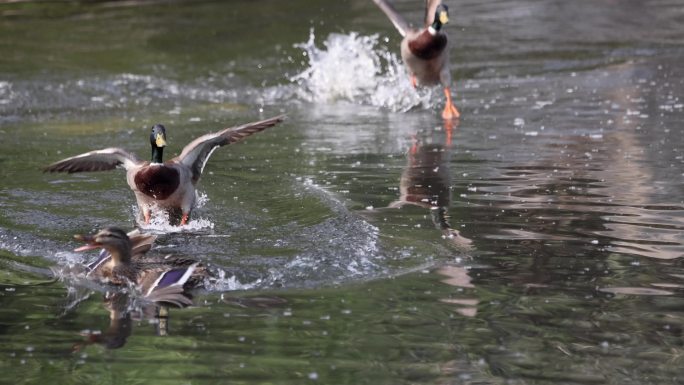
168	186
425	50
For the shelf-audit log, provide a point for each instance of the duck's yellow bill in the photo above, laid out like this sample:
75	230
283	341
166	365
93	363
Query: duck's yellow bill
160	141
443	17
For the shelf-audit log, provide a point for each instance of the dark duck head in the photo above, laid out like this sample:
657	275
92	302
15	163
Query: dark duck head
112	239
441	18
158	142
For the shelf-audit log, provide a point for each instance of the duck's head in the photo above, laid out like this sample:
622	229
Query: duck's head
441	16
112	239
158	136
158	142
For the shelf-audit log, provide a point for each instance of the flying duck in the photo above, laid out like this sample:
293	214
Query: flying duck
425	51
170	185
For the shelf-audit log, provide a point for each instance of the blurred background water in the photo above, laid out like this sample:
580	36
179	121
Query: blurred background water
537	240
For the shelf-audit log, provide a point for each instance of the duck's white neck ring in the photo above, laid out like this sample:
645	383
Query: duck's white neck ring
432	30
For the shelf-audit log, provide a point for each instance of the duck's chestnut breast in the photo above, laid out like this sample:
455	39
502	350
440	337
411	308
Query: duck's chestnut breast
427	46
157	181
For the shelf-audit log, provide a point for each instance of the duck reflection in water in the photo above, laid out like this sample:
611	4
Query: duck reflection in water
120	324
123	310
426	180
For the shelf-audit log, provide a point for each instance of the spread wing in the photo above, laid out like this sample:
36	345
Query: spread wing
196	154
396	19
99	160
430	9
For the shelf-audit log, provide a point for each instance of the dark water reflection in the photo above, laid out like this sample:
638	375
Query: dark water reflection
538	240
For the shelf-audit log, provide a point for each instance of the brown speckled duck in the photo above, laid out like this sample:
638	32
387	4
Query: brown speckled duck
425	51
170	185
122	262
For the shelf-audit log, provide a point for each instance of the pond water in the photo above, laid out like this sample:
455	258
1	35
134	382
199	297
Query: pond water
364	241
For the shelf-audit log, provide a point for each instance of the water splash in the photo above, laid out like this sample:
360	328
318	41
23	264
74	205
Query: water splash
6	93
356	68
223	282
159	224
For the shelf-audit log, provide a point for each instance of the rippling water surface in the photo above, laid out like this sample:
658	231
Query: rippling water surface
537	240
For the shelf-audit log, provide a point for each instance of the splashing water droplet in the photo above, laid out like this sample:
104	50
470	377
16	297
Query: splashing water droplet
160	223
355	68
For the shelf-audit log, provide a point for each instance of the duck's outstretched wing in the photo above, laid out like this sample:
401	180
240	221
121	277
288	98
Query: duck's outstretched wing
430	9
99	160
396	19
196	154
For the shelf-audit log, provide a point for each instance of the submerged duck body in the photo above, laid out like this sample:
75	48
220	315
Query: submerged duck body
168	186
425	50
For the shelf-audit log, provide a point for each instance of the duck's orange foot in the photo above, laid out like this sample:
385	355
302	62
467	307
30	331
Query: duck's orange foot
184	219
450	112
414	81
147	215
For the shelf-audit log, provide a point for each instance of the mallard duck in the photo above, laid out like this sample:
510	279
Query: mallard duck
123	263
168	185
425	51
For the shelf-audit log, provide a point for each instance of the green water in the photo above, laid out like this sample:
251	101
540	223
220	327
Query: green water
546	247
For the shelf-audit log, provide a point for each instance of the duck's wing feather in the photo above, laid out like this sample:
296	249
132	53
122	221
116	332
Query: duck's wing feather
99	160
174	295
430	9
399	22
141	243
102	258
196	154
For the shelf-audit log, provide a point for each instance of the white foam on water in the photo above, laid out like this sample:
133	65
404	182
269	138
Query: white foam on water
159	223
201	199
6	93
224	282
342	247
356	68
